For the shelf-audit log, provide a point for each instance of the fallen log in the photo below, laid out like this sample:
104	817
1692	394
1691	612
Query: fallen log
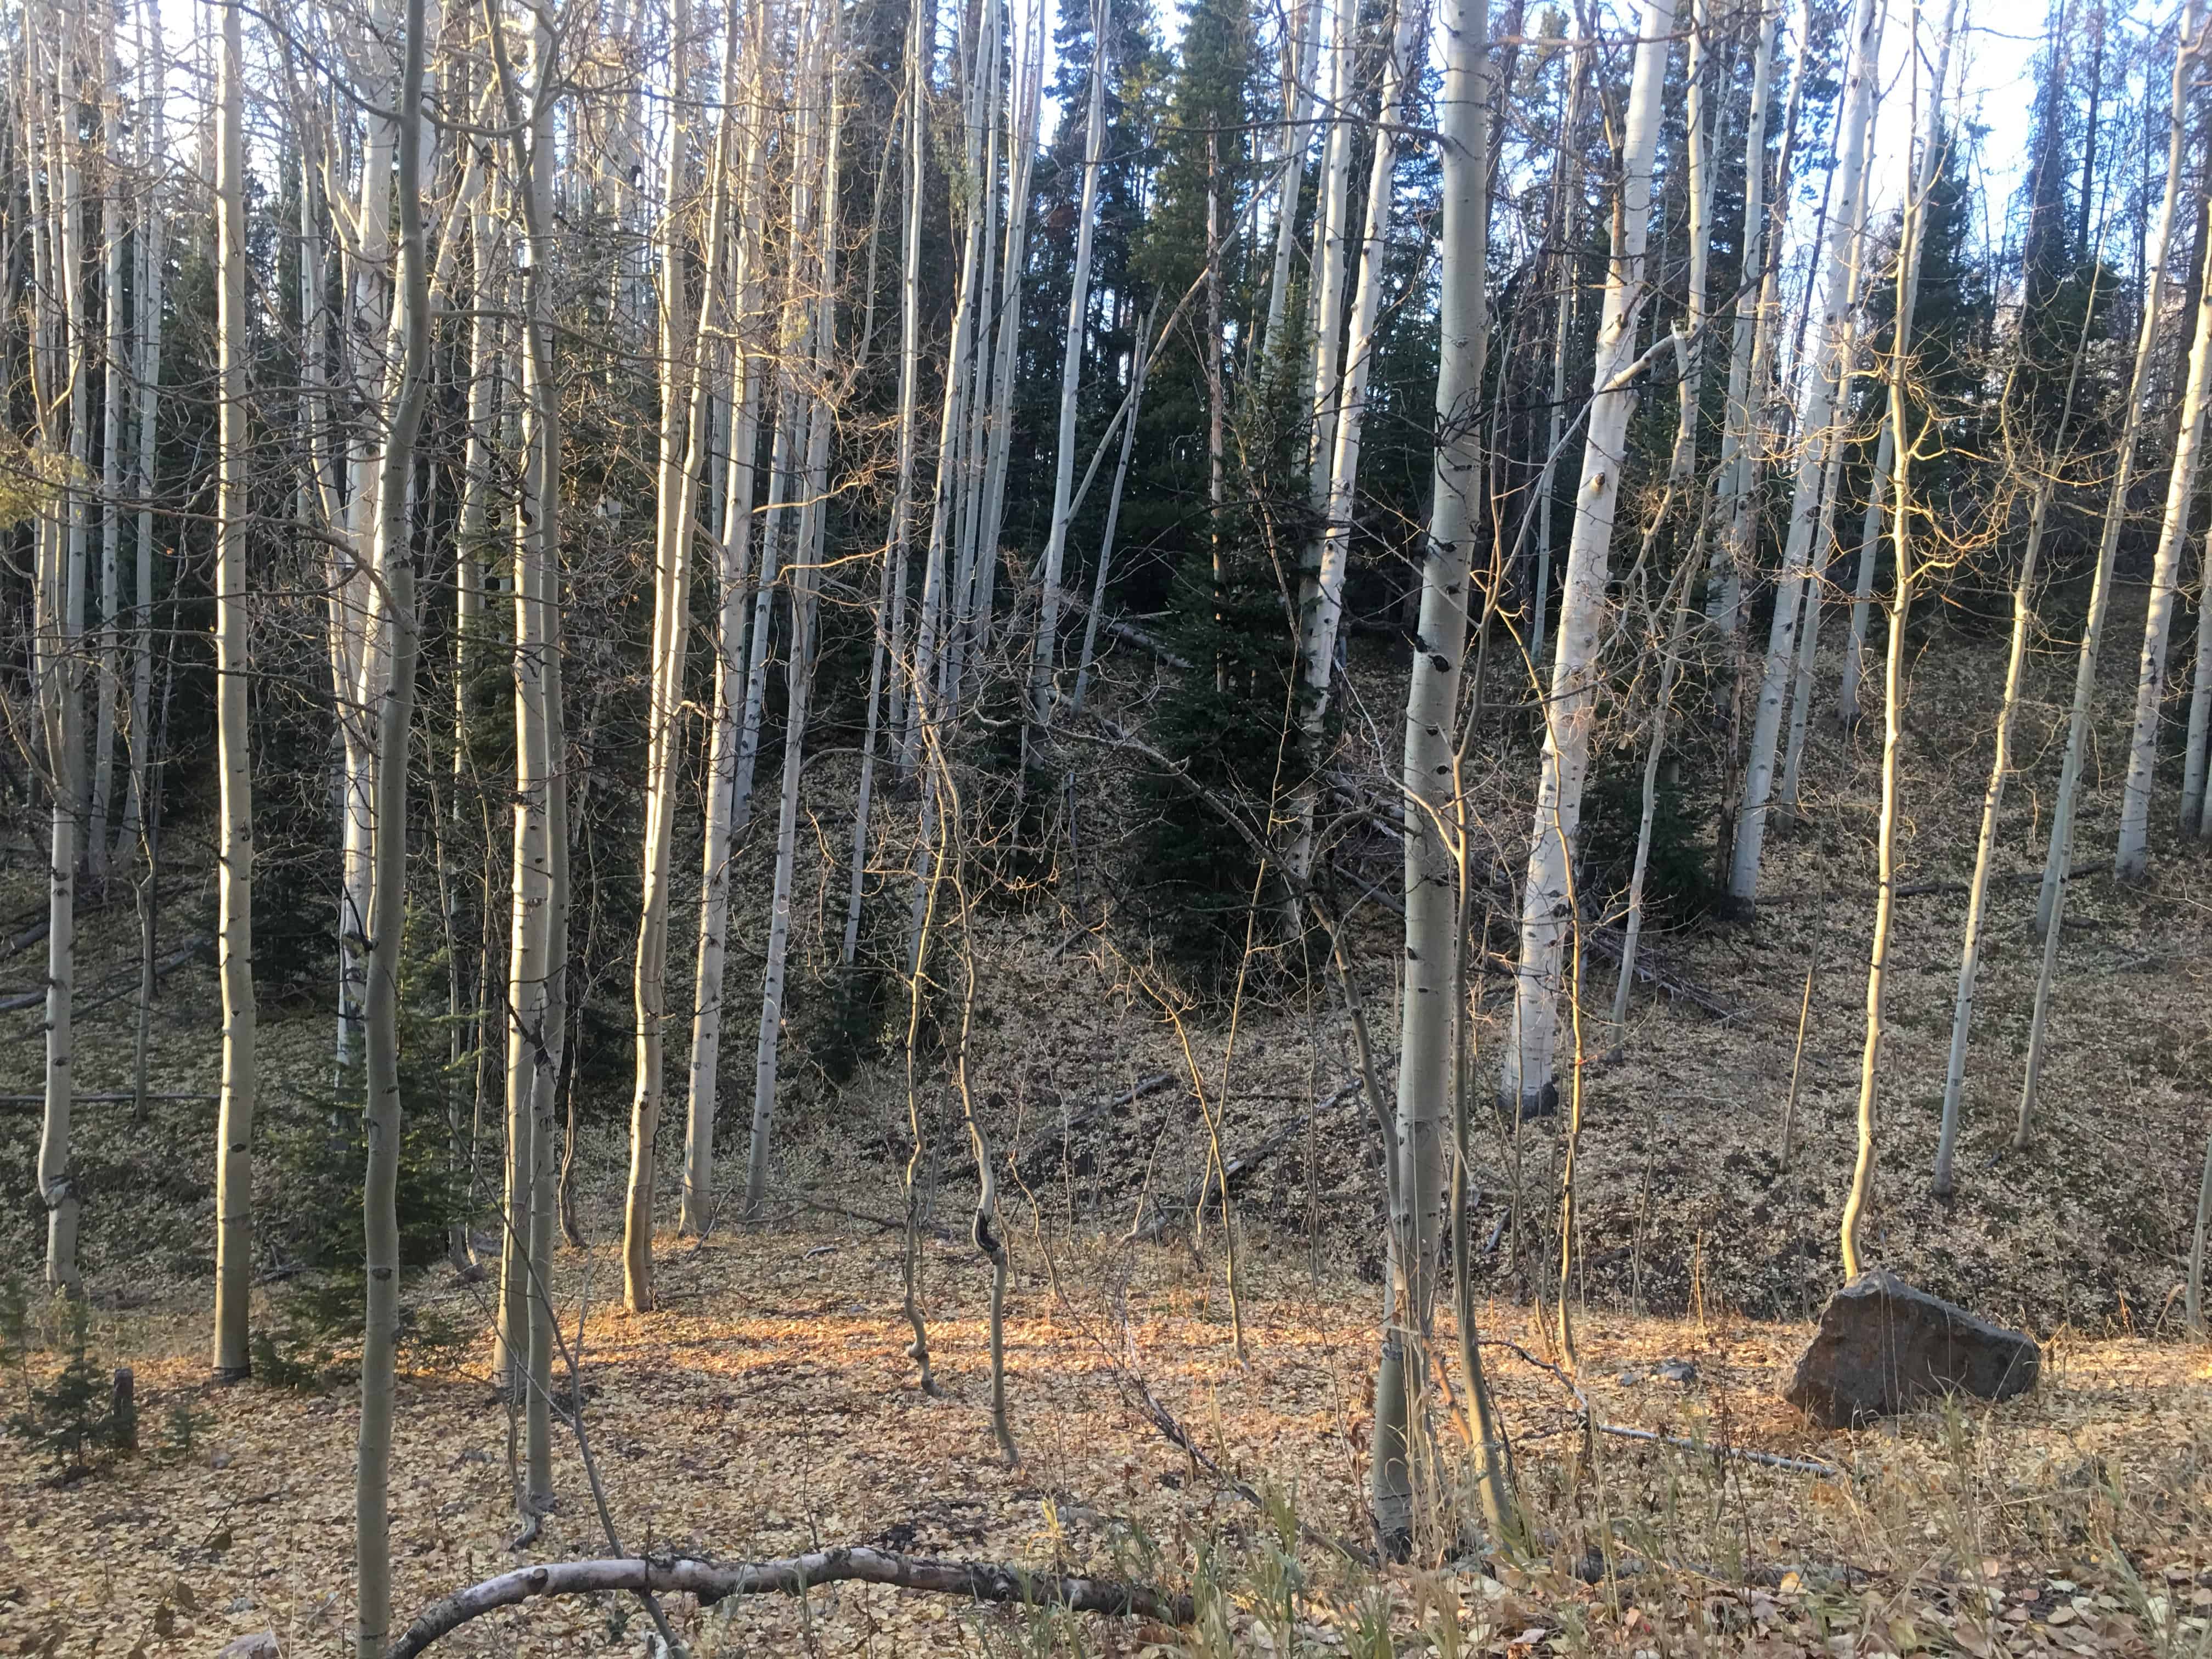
712	1582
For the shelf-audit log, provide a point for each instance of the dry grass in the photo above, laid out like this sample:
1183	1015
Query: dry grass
769	1408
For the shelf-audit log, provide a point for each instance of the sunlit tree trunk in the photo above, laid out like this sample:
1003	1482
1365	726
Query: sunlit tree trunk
806	567
1431	1016
2051	900
388	902
1548	900
2131	856
233	1180
147	371
682	445
1815	429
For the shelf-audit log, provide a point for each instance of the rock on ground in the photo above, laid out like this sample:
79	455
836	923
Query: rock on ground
1884	1347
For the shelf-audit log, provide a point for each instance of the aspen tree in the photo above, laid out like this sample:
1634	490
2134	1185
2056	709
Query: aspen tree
1045	652
733	547
388	901
2051	900
1527	1083
1332	214
1563	213
1139	367
112	362
1433	1015
2131	855
147	372
934	611
1321	594
536	542
233	1180
818	85
1824	539
2198	743
1893	732
1301	46
1029	75
2023	623
1739	429
682	443
1815	425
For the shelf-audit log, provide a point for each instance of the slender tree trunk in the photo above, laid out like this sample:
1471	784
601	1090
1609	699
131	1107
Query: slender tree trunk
1331	215
1816	424
806	570
1320	595
1298	59
682	445
1893	729
1566	204
113	363
147	370
1431	1014
2194	1293
1548	902
394	559
1137	371
2051	900
2023	624
234	1181
2131	856
1739	458
1045	653
733	547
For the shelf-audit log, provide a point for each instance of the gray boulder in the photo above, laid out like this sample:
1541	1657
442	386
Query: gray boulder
1884	1347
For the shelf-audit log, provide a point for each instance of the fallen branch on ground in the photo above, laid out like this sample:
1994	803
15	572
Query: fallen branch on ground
1044	1139
712	1582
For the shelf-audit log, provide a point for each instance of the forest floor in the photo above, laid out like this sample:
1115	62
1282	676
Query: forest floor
768	1405
769	1408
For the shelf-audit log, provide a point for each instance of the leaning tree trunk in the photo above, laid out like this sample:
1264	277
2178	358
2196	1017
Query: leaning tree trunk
234	1179
2023	624
2050	901
2131	856
394	562
1816	432
1548	901
1320	596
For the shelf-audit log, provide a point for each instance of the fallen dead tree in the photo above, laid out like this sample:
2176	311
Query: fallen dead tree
712	1582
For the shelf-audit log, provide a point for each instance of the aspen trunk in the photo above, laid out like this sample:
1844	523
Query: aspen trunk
806	568
1432	1010
2131	856
1816	422
2023	623
1137	371
1739	432
2194	1293
1548	901
1045	653
395	559
1332	214
682	445
1564	213
733	547
1320	595
1298	57
113	359
234	1181
1892	728
147	319
2051	900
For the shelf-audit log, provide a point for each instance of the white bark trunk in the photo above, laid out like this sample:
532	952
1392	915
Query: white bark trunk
1044	656
2131	856
1548	901
1430	1092
233	1182
1815	432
